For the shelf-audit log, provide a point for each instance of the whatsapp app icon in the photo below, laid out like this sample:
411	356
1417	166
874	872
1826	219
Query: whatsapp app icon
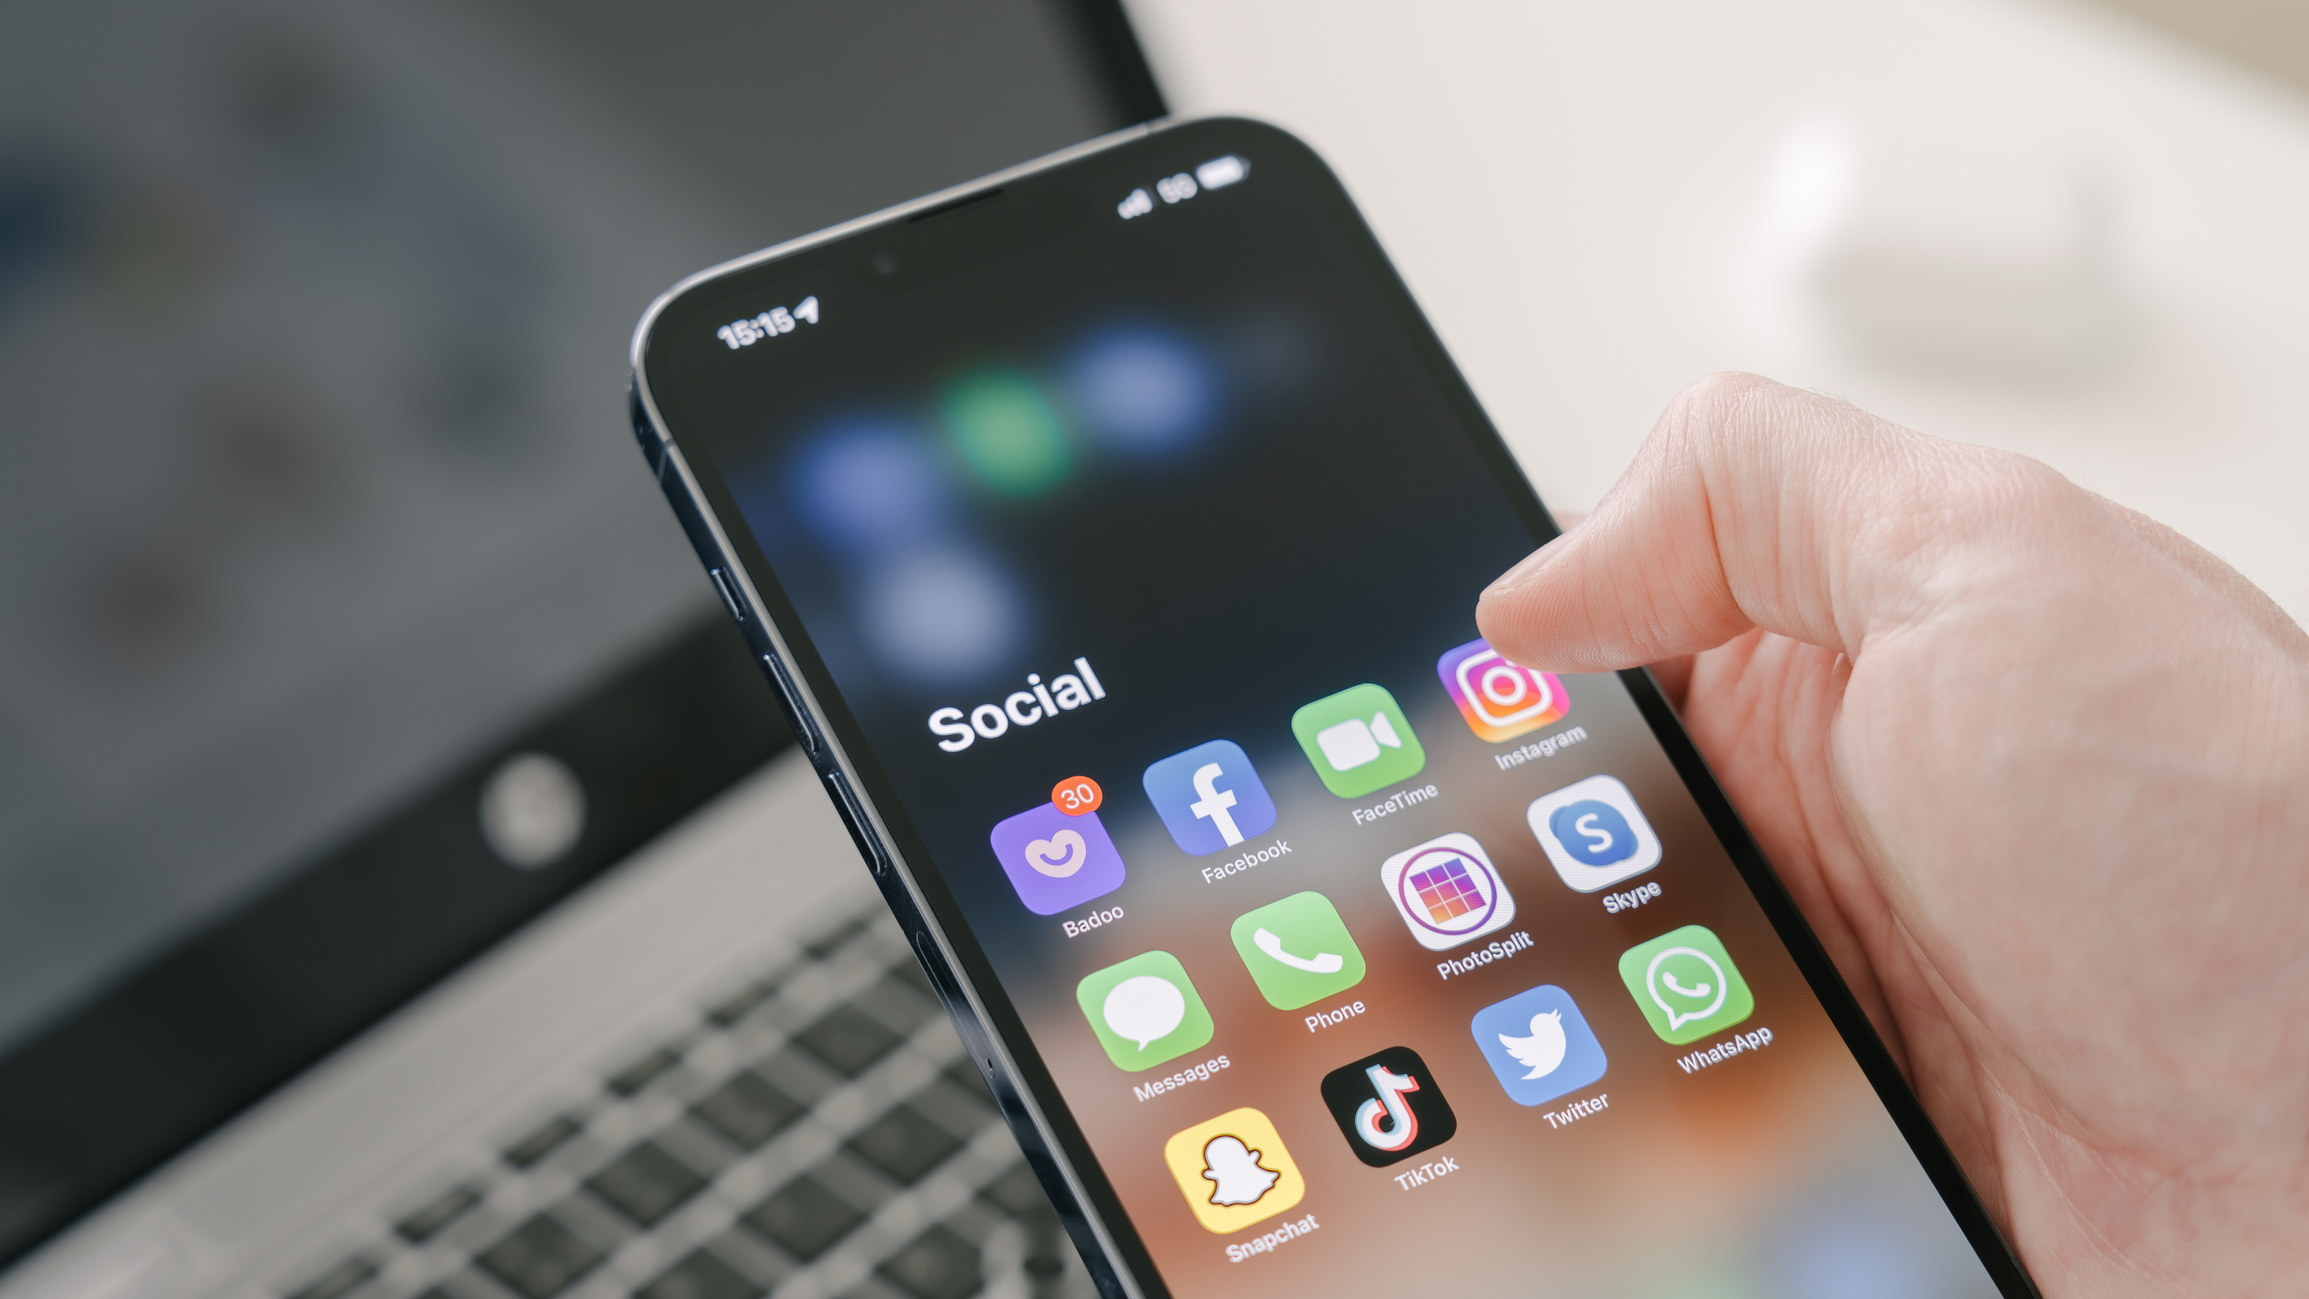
1685	984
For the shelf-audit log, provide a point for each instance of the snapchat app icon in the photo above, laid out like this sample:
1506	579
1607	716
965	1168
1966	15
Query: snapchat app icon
1234	1170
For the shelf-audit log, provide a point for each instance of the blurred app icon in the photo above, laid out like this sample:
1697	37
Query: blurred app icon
1538	1044
1685	984
1055	861
1447	891
1499	699
1145	1010
1234	1170
1388	1106
1593	833
1209	797
1298	950
1358	740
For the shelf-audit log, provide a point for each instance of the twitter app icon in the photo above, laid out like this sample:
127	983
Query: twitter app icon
1538	1044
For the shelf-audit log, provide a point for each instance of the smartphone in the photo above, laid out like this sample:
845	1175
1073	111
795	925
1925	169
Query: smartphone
1111	531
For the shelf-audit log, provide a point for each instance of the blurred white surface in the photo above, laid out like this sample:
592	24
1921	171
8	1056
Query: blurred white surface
2024	224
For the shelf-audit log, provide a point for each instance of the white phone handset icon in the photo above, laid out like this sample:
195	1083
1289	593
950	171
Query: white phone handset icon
1320	963
1668	977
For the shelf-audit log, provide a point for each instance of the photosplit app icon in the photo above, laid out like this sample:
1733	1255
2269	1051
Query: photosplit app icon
1499	699
1447	891
1593	833
1055	860
1358	740
1538	1044
1388	1106
1209	797
1234	1170
1298	950
1686	985
1145	1010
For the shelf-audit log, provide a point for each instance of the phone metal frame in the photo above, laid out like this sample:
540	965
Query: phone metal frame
1107	1256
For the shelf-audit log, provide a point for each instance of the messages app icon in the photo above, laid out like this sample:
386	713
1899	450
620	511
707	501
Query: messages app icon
1358	740
1298	950
1145	1010
1685	984
1209	797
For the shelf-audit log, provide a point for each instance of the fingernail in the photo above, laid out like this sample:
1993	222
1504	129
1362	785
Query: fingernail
1524	571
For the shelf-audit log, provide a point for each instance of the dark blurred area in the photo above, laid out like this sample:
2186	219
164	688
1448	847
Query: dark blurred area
313	321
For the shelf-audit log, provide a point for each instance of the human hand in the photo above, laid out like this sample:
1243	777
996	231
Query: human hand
2035	768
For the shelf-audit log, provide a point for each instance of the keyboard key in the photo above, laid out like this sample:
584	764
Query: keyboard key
747	1110
700	1276
849	1039
628	1082
905	1144
343	1279
745	1001
1017	1193
540	1258
645	1184
830	942
437	1213
548	1137
804	1218
937	1265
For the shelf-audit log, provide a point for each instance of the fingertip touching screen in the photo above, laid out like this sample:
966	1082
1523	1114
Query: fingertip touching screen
1129	521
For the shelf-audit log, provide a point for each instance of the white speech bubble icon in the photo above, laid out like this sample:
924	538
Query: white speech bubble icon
1717	984
1144	1008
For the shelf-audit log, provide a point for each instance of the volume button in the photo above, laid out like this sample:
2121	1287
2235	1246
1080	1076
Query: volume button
728	586
789	699
854	817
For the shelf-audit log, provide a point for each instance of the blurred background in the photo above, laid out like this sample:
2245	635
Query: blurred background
313	321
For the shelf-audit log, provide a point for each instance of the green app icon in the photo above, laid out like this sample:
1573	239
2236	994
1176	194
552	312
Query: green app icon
1144	1010
1358	741
1686	985
1298	950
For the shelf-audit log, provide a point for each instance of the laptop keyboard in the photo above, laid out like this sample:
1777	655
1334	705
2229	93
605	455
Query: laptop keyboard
818	1133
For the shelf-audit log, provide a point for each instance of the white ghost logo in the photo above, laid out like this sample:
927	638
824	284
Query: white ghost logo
1543	1050
1234	1171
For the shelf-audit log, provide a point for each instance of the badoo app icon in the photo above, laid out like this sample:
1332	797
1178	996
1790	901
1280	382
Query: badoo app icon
1209	797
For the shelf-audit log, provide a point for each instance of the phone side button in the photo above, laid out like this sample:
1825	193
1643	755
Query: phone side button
727	585
854	817
797	717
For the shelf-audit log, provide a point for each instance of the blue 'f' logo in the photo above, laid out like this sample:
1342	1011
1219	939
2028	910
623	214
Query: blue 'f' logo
1209	797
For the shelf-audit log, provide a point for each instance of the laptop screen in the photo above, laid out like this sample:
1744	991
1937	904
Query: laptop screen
313	319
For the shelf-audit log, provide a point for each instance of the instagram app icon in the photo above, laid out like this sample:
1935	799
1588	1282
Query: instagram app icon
1499	699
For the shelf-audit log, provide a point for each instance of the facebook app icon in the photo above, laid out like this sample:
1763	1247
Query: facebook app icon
1209	797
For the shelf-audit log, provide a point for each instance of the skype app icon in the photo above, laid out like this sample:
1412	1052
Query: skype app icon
1593	833
1057	862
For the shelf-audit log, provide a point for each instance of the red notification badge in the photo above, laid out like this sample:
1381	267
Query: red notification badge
1077	795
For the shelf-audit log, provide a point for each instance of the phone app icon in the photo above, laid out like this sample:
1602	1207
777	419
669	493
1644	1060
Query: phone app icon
1057	862
1447	891
1538	1045
1388	1106
1358	740
1499	699
1685	984
1593	833
1145	1010
1234	1170
1209	797
1298	950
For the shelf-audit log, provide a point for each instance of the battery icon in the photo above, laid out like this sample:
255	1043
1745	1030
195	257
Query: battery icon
1219	173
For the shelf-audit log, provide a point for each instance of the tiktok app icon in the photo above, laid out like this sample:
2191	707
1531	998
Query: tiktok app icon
1388	1106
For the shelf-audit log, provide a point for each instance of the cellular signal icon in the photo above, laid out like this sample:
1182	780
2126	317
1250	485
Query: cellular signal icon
1138	204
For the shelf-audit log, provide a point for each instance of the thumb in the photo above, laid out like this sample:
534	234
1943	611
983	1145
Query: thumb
1754	504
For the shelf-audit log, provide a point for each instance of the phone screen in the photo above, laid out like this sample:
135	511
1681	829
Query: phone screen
1128	522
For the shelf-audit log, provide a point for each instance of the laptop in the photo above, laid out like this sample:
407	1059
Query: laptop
407	887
